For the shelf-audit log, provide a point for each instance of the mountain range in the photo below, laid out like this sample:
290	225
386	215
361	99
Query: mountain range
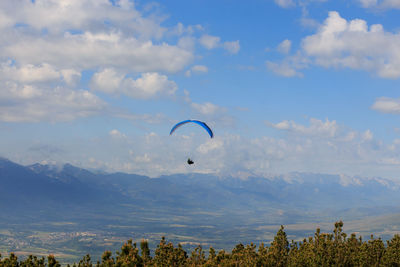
49	187
49	208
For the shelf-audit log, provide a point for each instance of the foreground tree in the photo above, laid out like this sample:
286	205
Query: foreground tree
322	249
278	252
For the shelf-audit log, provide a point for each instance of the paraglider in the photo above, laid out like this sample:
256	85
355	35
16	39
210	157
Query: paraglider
202	124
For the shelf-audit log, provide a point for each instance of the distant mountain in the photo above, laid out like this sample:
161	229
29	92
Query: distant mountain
51	208
68	189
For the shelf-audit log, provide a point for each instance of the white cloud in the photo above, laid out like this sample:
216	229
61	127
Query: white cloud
58	16
387	105
71	76
209	41
339	43
181	29
92	50
285	46
30	73
212	42
207	108
367	135
188	73
232	47
116	134
346	180
30	103
107	81
87	34
351	44
283	68
380	4
316	128
197	69
210	112
187	43
285	3
48	45
293	3
37	73
210	145
147	118
368	3
32	93
149	85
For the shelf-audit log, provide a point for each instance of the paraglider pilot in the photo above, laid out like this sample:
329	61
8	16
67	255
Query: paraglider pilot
202	124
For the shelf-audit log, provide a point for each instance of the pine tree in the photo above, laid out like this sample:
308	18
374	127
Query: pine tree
129	255
167	255
144	247
52	262
392	254
197	257
279	250
212	258
107	260
262	255
85	261
11	261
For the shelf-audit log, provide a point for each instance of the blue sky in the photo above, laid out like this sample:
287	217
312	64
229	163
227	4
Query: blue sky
286	85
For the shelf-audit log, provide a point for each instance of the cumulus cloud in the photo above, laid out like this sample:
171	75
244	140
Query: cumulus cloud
367	135
32	93
381	4
283	68
196	69
30	103
116	134
37	73
346	180
199	68
317	127
387	105
29	73
91	50
56	16
293	3
211	112
232	47
209	41
47	45
149	85
87	34
147	118
285	3
368	3
212	42
339	43
207	108
285	46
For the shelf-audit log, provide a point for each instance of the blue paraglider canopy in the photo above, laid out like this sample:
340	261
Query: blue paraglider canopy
202	124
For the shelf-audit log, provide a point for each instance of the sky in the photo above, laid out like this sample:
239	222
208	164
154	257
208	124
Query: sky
286	85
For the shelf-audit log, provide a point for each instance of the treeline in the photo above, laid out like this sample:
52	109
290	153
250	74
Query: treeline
323	249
